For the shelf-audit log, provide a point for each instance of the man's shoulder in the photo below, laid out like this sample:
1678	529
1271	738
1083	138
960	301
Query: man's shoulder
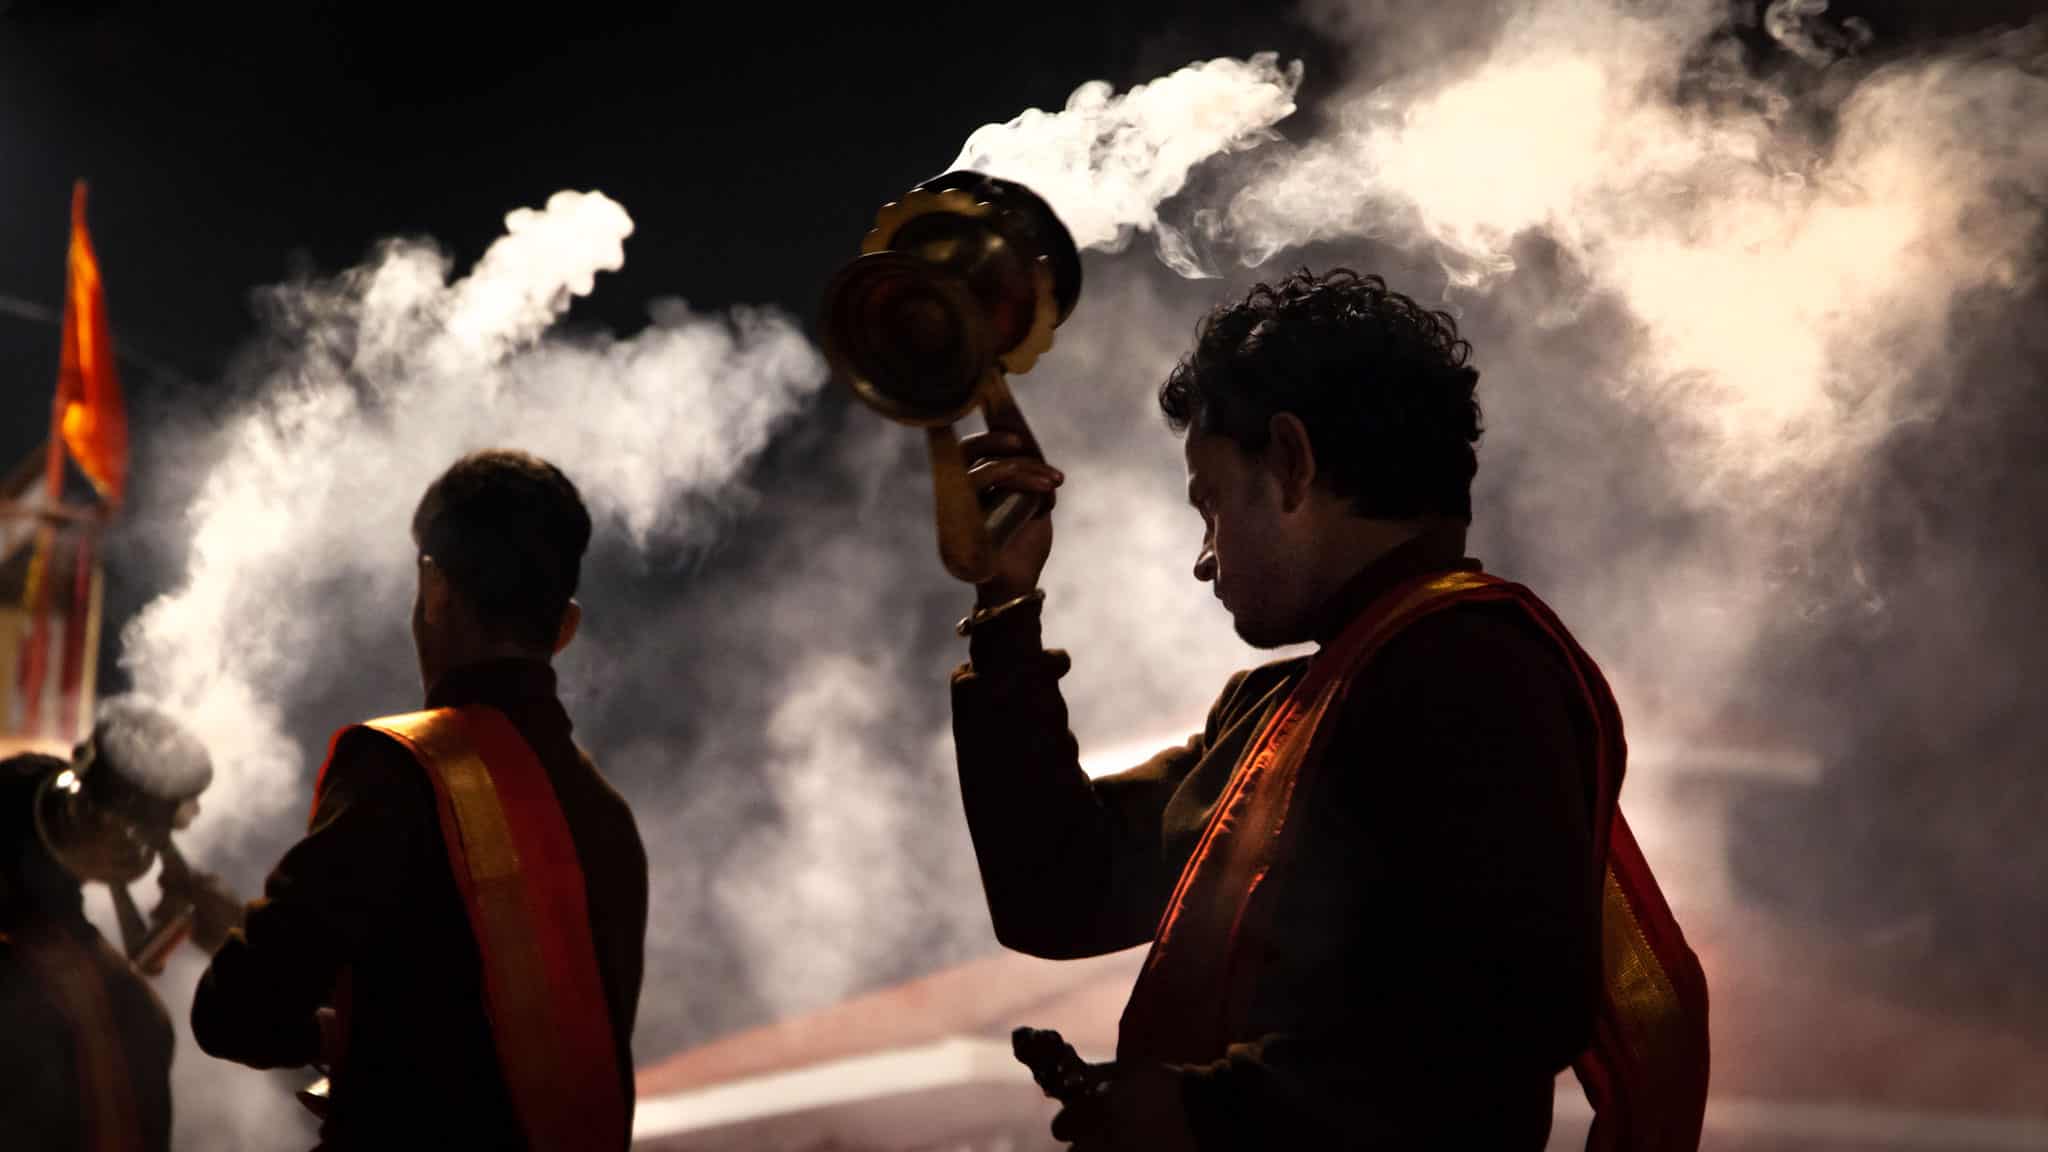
368	746
381	749
1464	632
611	803
1493	657
1283	670
1252	688
368	763
607	836
594	807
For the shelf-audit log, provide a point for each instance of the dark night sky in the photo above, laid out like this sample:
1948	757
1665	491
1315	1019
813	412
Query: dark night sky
223	152
748	152
225	155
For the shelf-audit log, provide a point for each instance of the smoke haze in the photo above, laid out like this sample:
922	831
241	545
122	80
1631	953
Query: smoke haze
1715	307
374	382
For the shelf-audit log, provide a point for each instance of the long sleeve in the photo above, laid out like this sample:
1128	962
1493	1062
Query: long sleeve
1445	952
256	1003
1071	867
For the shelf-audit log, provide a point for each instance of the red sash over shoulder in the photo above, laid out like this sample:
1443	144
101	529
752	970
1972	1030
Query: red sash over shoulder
516	866
1646	1073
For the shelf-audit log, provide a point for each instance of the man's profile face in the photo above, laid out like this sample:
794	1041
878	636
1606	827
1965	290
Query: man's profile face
1249	556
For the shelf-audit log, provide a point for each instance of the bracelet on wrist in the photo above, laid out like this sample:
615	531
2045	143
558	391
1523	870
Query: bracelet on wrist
982	616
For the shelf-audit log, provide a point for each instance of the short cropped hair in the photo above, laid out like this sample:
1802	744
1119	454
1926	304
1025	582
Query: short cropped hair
509	531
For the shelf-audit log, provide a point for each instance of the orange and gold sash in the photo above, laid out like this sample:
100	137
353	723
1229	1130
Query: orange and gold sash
1646	1073
73	979
522	882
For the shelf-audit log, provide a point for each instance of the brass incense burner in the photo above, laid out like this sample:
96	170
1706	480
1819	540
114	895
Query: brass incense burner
959	284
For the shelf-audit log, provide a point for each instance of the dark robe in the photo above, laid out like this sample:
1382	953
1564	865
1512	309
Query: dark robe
369	891
41	1109
1433	960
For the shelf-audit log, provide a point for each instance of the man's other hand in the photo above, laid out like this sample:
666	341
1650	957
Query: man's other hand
216	909
1139	1111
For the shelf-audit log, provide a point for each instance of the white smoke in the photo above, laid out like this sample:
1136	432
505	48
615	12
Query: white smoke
1790	287
1781	296
1106	162
840	853
792	805
299	530
1801	28
845	644
864	871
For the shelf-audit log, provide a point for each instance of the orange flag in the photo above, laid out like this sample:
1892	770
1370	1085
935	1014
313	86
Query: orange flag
94	424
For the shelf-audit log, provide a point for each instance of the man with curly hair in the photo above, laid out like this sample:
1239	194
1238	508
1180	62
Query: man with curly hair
1387	889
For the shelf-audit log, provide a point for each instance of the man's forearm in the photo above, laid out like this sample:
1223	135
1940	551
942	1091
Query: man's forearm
1045	841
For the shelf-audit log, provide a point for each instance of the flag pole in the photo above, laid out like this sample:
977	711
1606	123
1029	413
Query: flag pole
36	659
71	691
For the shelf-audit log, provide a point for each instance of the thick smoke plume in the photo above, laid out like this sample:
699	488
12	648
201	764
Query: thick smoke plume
1774	270
1107	161
1789	283
378	379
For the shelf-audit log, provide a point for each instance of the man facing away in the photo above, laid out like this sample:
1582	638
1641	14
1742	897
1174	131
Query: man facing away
459	935
1388	893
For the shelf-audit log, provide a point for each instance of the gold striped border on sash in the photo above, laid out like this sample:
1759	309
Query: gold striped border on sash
515	986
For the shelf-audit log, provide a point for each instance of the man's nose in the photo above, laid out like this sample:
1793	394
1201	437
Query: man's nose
1205	566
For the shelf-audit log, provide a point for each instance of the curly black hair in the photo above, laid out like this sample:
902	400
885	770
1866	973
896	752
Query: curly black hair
510	531
1380	382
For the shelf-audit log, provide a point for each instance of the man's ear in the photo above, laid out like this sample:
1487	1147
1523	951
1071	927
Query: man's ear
437	596
572	619
1291	458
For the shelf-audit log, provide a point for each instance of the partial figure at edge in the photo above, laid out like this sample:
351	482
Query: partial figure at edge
87	1061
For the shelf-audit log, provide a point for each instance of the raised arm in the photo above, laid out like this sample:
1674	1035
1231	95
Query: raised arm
1071	866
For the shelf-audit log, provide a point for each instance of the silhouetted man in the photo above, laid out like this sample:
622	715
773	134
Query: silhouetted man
471	899
85	1045
1375	883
